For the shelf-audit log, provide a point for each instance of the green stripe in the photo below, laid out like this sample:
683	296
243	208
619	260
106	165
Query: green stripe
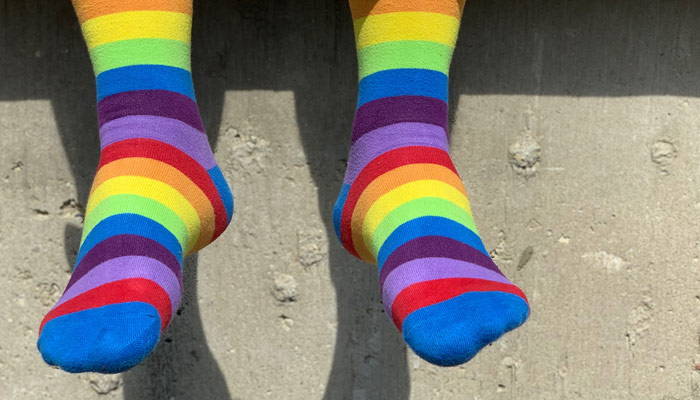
134	204
423	207
404	54
172	53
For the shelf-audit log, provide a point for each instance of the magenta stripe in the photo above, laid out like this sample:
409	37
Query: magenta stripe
167	130
378	141
127	267
428	269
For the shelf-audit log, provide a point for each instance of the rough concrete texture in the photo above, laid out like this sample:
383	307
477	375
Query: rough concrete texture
575	124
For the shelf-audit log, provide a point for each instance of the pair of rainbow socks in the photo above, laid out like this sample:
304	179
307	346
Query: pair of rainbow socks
159	195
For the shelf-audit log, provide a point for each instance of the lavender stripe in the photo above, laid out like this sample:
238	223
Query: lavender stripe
377	142
124	268
161	103
391	110
124	245
434	246
432	268
167	130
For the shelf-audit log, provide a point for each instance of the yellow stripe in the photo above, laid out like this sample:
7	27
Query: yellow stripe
137	24
166	173
391	200
431	27
152	189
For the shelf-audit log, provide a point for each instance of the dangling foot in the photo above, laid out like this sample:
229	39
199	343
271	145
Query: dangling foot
157	196
403	205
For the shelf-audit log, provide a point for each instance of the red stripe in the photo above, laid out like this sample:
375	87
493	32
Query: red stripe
122	291
377	167
427	293
154	149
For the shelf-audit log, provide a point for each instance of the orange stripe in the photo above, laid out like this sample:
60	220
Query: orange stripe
157	170
363	8
87	9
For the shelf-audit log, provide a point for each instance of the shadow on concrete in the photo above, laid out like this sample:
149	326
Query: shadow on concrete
541	47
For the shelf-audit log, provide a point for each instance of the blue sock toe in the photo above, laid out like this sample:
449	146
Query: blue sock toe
108	339
453	331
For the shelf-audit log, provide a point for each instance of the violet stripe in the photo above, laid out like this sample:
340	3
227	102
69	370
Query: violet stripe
378	141
160	103
434	246
432	268
391	110
167	130
124	245
127	267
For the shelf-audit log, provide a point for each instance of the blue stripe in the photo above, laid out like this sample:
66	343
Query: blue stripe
107	339
224	191
144	77
428	226
403	82
453	331
338	208
130	224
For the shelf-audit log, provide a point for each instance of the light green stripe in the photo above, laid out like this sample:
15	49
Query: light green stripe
133	204
423	207
172	53
404	54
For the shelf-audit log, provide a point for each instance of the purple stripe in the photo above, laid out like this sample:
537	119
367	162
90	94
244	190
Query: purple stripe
377	142
432	268
160	103
124	245
127	267
434	246
167	130
392	110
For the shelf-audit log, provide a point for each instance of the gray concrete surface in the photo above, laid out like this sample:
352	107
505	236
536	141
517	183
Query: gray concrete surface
576	125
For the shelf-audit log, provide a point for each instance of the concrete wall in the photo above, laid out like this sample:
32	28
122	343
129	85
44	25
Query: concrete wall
576	125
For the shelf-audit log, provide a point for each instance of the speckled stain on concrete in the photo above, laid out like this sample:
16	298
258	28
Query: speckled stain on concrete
575	125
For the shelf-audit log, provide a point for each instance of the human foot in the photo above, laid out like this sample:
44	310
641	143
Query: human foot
157	196
403	205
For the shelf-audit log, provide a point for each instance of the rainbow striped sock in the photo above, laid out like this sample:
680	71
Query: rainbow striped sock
403	205
158	194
